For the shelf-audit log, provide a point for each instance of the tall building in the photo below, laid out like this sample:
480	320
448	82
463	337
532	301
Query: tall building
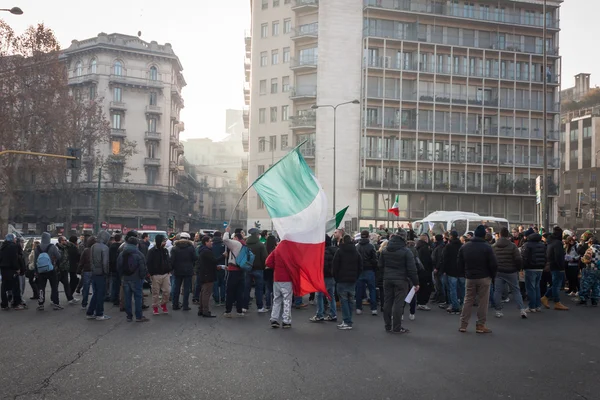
451	103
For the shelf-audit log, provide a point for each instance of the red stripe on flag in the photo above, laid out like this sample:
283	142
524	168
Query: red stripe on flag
305	266
394	211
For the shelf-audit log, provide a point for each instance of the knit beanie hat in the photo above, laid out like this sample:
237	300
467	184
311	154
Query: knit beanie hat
480	231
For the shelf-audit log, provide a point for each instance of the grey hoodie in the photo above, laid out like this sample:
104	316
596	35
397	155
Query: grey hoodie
100	255
49	248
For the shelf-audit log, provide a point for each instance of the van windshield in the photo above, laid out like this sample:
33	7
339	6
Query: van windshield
495	226
432	228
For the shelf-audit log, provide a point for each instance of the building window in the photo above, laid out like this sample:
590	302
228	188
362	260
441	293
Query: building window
284	141
117	94
262	87
287	1
273	114
116	147
285	84
265	4
93	66
264	30
587	132
274	85
264	59
274	57
153	98
153	73
116	121
92	92
574	134
273	143
275	28
286	55
151	178
287	25
261	149
262	112
78	68
151	124
118	68
275	3
284	113
152	150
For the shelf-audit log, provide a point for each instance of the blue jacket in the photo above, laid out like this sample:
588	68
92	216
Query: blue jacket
131	250
218	249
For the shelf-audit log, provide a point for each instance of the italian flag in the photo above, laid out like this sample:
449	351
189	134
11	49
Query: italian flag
394	210
297	206
336	221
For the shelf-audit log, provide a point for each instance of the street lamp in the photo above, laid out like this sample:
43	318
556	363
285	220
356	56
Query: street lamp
596	191
545	205
14	10
271	144
314	107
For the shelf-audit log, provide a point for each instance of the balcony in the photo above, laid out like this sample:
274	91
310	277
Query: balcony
306	32
118	105
119	133
153	136
246	118
244	164
154	110
173	141
173	166
304	63
247	94
245	142
179	148
305	5
307	121
83	79
135	82
308	151
152	162
306	92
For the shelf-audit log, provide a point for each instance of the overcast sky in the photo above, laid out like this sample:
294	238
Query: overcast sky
208	37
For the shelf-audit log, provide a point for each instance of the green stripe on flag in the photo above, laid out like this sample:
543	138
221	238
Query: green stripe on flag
288	187
334	222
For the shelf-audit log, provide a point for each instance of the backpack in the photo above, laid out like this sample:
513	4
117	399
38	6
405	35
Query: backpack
129	264
44	263
65	265
245	259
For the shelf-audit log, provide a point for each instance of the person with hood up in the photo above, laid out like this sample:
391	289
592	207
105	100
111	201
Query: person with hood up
441	281
367	277
509	265
533	254
159	268
330	251
65	266
258	269
207	274
10	268
555	255
51	276
74	256
183	257
425	275
399	271
131	265
454	275
347	267
85	270
115	285
100	273
218	249
478	260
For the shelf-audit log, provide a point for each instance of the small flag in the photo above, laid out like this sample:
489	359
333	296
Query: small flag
335	222
394	210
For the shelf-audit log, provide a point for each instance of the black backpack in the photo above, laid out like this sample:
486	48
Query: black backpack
130	265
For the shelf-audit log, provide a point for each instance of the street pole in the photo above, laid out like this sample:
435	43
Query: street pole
545	183
98	201
272	163
334	151
596	190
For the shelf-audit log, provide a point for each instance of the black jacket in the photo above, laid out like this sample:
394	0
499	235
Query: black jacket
508	256
158	261
424	251
533	253
449	265
398	262
436	255
328	264
207	265
113	254
9	256
183	257
74	257
259	250
143	248
368	253
218	249
477	259
555	254
347	264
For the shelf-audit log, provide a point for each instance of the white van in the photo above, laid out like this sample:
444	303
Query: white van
462	222
152	234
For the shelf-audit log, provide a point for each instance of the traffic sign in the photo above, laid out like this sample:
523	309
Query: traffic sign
225	224
104	225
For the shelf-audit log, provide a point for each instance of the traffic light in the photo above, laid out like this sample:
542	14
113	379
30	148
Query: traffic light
74	164
171	223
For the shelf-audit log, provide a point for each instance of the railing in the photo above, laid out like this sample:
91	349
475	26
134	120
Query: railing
303	91
305	121
124	79
117	105
307	151
303	62
154	109
118	132
153	135
306	30
305	3
152	161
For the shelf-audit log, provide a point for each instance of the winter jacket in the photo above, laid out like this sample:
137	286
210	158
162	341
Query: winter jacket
9	256
424	251
113	254
49	248
183	257
347	264
158	261
277	264
449	264
260	252
143	248
100	255
328	264
436	255
218	249
85	261
533	253
132	255
508	256
74	256
555	254
368	253
207	265
234	248
398	262
477	259
572	256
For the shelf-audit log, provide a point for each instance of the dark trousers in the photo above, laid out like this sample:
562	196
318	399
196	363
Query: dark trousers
96	306
572	273
51	277
73	281
63	277
10	281
235	283
186	281
204	301
545	282
424	293
395	293
219	287
34	285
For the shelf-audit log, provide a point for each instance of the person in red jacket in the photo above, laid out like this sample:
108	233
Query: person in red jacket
283	293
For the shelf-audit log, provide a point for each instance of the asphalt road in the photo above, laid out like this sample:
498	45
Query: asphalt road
61	355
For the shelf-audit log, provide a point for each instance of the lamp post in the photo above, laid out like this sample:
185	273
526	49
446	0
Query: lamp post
14	10
334	107
596	191
545	205
272	161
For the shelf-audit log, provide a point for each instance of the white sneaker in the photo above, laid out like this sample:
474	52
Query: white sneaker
374	312
311	302
244	310
524	314
539	309
358	312
344	327
74	301
262	310
506	300
411	317
499	314
424	307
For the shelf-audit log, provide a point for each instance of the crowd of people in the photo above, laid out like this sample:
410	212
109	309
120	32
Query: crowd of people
386	272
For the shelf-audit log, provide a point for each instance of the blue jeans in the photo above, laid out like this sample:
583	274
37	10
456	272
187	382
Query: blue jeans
259	288
297	301
330	285
115	287
196	294
347	291
512	280
219	287
186	280
172	279
235	290
268	293
86	279
366	279
558	278
133	288
456	289
96	306
532	284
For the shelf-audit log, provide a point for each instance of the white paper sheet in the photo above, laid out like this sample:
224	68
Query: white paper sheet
410	295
